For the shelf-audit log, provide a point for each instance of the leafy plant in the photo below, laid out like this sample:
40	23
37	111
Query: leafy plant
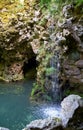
50	71
79	1
35	87
44	2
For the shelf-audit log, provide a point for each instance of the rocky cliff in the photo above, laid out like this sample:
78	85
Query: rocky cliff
29	33
65	40
17	39
72	46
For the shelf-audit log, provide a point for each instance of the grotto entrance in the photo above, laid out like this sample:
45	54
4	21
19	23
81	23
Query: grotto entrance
29	68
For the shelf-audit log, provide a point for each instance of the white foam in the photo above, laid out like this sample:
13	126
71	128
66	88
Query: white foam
51	112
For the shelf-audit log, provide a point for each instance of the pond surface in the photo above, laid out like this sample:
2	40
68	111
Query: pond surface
16	109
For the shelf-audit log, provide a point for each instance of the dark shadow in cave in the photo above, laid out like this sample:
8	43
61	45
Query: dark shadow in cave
29	68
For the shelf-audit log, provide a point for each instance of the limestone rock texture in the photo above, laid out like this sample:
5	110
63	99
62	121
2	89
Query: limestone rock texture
18	41
69	105
72	63
72	111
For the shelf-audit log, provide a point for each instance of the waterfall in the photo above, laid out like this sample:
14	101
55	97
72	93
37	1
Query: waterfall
55	64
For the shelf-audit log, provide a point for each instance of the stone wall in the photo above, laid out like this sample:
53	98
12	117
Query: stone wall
72	60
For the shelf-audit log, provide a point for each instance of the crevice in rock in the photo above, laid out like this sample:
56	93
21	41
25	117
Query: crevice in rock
29	68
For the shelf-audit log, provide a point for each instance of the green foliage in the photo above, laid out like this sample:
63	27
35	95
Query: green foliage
47	98
53	6
45	2
60	2
35	87
68	92
79	2
50	71
42	22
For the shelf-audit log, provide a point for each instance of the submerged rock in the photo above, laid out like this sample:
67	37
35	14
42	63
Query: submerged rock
2	128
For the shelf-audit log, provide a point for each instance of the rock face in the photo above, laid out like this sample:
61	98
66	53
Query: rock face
72	30
79	64
17	35
71	117
67	41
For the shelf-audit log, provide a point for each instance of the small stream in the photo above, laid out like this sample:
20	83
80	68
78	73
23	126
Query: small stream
16	109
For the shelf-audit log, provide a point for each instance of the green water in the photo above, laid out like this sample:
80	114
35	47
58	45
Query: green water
16	110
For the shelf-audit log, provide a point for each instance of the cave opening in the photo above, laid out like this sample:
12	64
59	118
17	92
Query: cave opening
29	68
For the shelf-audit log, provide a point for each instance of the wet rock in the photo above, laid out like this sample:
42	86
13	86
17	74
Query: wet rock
45	124
76	123
2	128
69	105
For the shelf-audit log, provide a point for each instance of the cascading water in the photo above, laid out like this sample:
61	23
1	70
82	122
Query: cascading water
55	64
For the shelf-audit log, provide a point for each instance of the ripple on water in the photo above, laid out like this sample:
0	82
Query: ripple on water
16	110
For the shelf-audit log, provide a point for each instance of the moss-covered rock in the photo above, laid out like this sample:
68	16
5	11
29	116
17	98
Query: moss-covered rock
16	38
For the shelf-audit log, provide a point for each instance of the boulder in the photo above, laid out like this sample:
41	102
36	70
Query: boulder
45	124
76	123
70	105
2	128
